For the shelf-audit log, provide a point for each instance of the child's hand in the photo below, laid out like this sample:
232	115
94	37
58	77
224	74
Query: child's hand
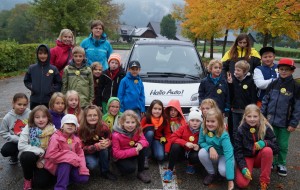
213	153
104	143
246	173
229	77
259	145
196	147
230	185
291	129
139	147
39	164
189	145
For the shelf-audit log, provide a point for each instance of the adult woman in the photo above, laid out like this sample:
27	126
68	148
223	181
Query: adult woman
61	54
96	46
240	50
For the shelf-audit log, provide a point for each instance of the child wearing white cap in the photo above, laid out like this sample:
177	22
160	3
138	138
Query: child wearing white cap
64	157
185	144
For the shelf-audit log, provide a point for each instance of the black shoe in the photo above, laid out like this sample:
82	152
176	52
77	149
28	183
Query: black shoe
108	175
144	177
209	179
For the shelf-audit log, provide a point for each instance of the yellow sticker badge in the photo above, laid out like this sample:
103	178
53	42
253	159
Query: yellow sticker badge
95	138
50	71
191	138
163	140
219	91
69	141
136	81
77	73
283	90
131	143
245	86
252	130
210	134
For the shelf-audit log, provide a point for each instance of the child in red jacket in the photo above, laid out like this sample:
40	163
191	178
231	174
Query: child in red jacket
185	144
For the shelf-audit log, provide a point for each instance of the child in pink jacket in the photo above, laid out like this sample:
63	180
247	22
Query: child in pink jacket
64	157
128	146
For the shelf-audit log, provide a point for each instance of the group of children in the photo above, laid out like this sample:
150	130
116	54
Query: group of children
72	137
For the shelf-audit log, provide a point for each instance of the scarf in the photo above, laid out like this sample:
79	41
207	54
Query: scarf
157	121
174	123
214	80
40	137
194	131
113	73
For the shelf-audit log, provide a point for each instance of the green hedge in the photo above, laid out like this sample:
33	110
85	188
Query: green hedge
291	54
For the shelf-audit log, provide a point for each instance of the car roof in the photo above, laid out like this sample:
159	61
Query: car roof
162	42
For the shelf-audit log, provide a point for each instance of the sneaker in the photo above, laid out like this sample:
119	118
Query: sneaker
209	179
27	184
144	177
281	170
190	169
146	164
263	186
168	176
13	160
108	175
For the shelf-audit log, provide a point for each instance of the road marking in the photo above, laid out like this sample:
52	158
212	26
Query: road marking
168	186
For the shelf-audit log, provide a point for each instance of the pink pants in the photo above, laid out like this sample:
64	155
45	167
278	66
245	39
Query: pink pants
263	160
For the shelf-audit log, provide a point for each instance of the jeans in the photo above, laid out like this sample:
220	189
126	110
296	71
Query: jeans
98	159
128	165
157	148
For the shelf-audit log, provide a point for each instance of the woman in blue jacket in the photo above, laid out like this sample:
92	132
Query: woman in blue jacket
96	46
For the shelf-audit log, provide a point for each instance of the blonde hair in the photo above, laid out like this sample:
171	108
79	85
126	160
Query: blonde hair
263	122
53	98
78	49
130	113
244	65
96	64
215	112
209	101
78	109
212	63
64	32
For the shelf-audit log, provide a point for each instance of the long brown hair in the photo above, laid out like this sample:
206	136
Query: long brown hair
86	131
220	119
41	108
233	53
149	112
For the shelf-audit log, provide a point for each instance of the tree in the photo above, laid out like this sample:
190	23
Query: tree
168	27
76	14
4	15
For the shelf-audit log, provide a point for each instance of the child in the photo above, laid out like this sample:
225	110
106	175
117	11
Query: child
175	118
73	104
11	127
206	105
281	106
184	145
109	81
97	71
42	79
240	50
214	86
78	76
216	148
131	90
57	106
254	146
156	130
32	145
242	92
129	145
96	141
265	74
64	157
113	107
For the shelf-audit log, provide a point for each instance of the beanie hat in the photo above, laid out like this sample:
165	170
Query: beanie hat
115	56
286	62
195	113
69	118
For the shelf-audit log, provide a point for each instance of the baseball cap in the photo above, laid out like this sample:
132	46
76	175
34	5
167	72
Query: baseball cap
134	64
287	62
266	49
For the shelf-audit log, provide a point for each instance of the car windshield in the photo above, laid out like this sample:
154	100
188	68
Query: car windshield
167	59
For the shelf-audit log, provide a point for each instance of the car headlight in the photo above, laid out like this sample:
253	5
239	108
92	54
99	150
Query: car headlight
194	97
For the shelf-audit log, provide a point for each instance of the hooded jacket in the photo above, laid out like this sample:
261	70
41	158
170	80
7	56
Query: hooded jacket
121	142
131	93
59	151
97	50
80	80
42	79
12	125
228	64
108	87
184	135
61	55
109	119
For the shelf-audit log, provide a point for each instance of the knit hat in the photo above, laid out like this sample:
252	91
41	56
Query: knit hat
69	118
115	56
266	49
287	62
195	113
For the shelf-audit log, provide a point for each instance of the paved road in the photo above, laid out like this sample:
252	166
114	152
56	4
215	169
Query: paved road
11	176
